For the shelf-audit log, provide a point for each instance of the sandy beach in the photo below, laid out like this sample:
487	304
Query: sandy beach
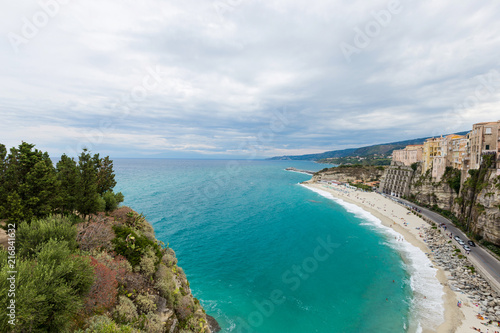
410	227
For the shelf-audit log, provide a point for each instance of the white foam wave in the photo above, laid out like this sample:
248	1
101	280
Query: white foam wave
426	312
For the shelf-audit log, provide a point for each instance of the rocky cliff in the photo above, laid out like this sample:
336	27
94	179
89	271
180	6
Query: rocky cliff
473	203
478	205
151	293
349	173
425	190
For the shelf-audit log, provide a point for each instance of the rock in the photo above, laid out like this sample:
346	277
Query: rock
213	324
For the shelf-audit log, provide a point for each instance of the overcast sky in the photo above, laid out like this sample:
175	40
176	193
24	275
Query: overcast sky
243	78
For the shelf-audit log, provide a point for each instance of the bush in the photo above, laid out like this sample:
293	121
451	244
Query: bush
102	295
104	324
101	203
185	309
125	311
31	235
119	264
50	288
112	200
145	303
133	246
152	324
148	263
95	236
169	258
166	285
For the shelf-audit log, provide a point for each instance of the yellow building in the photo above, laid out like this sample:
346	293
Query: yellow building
432	148
439	153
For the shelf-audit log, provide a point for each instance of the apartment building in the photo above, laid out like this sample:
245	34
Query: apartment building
483	139
432	148
409	155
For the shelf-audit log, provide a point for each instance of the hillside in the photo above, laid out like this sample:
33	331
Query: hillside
72	260
381	150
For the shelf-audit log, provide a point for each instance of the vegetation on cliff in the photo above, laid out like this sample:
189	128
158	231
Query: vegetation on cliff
80	263
349	173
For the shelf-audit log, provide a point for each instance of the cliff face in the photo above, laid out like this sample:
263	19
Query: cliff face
152	293
426	191
350	173
478	206
488	210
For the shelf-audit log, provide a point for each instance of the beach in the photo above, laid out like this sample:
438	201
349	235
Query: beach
411	228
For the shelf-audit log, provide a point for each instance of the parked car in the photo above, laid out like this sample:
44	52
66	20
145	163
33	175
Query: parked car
471	243
457	238
461	242
466	248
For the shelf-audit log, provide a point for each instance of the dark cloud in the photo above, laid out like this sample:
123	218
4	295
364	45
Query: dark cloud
193	78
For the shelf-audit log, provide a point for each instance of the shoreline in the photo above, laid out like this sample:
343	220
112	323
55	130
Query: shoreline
394	216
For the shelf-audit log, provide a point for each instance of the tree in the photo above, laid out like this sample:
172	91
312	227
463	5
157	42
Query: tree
88	198
49	288
41	190
69	178
112	200
105	174
31	175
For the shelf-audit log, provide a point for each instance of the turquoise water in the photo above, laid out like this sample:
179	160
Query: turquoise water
264	254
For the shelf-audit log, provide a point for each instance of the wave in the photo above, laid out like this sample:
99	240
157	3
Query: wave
426	313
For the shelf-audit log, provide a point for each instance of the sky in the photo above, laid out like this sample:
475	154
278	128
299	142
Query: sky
243	78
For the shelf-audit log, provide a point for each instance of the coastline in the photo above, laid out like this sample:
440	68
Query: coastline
394	216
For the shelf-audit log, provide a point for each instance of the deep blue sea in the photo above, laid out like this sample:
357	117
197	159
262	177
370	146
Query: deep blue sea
264	254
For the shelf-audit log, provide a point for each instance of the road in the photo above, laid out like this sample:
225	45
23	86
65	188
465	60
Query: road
479	255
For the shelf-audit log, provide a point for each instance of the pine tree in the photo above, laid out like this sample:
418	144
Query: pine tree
105	175
69	179
29	183
88	198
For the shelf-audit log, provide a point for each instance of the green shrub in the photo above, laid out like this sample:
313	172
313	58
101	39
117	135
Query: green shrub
101	204
145	303
104	324
112	200
169	258
125	311
148	263
166	286
50	288
133	246
152	324
31	235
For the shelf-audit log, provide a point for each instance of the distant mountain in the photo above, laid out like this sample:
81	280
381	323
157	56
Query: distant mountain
382	149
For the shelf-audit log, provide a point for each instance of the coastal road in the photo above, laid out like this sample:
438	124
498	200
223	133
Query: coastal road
478	255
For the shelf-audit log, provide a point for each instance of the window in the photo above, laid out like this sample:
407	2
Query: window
487	147
488	130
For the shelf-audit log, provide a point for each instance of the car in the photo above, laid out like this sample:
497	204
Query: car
461	242
466	248
457	238
471	243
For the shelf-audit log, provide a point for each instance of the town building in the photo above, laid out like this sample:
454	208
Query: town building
396	180
432	148
409	155
484	139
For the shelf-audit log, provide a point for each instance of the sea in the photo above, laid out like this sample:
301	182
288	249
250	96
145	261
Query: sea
264	254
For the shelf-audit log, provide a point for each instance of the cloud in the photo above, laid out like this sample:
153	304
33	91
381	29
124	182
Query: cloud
194	78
